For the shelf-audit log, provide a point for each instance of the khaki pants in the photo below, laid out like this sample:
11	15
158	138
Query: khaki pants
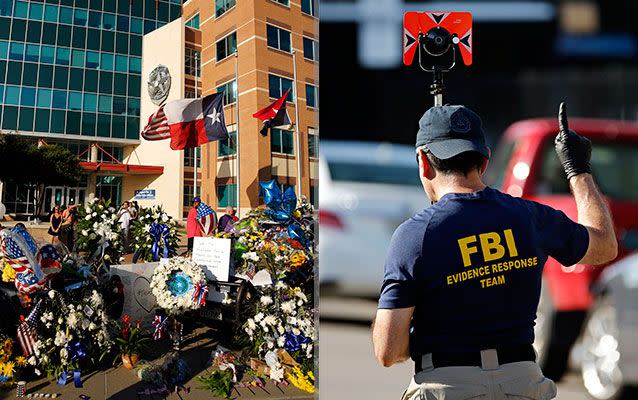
514	381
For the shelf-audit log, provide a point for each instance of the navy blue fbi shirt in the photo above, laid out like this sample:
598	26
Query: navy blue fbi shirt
471	265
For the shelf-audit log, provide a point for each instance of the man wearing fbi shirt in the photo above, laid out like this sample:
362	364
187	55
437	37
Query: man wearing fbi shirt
463	277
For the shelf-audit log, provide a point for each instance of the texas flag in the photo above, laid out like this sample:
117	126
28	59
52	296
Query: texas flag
193	122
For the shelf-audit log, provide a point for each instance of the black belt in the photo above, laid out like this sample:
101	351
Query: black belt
506	355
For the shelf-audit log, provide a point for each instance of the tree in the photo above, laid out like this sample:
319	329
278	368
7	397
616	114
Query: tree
23	162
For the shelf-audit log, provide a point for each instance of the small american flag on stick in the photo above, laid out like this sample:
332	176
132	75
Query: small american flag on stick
26	331
157	127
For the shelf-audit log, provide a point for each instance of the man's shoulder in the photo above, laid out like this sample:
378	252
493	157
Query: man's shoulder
414	227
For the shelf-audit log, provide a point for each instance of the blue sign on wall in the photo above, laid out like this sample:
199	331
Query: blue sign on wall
145	194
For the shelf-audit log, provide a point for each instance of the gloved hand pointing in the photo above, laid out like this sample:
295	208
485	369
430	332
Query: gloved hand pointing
574	151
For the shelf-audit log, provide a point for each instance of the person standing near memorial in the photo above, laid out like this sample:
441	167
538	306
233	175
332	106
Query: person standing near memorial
193	227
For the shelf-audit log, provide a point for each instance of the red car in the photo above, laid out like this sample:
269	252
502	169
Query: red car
526	165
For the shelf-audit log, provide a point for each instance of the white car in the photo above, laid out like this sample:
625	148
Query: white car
366	191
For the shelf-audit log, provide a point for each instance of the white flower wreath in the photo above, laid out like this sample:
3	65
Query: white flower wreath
179	285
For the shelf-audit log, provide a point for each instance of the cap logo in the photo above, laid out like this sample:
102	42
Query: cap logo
460	123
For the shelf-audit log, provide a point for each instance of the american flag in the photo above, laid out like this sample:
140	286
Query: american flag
49	260
26	331
207	218
13	254
157	127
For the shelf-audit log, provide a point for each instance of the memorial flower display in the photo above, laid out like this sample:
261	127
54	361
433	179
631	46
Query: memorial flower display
179	286
98	232
10	362
154	235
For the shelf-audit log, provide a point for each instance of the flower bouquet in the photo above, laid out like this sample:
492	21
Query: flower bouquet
129	343
9	364
154	234
98	232
70	335
179	285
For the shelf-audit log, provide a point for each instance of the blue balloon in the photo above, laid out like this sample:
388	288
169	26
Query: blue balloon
272	193
295	232
289	201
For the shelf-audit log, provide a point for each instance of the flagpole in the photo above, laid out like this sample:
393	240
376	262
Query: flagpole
297	140
196	148
237	129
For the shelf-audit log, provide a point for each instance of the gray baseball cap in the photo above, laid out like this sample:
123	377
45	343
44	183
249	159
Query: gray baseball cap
451	130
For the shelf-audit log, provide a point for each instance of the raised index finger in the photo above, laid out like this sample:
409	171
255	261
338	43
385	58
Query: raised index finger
563	125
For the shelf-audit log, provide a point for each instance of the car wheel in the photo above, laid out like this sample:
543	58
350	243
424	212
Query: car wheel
552	357
600	365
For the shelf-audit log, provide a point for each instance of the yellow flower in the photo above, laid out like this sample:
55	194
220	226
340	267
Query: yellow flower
301	380
7	368
8	273
297	214
21	361
7	346
297	259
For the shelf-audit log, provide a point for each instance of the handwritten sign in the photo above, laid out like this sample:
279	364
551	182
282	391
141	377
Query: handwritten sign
139	300
214	255
145	194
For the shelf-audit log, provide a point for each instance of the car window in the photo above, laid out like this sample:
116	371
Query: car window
615	167
497	167
374	173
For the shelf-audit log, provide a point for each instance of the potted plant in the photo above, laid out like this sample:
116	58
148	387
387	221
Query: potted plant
129	343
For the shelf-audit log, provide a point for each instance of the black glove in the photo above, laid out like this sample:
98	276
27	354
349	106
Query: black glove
574	151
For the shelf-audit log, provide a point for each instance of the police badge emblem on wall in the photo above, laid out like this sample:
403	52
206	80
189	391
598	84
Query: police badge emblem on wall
159	84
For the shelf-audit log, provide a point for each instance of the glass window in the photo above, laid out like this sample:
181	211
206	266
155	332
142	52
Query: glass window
57	121
73	122
95	5
77	58
61	78
34	32
133	128
18	30
121	63
21	9
10	117
105	104
104	125
135	65
123	7
118	127
221	6
95	19
80	17
149	26
14	73
106	82
51	13
16	51
66	15
92	59
6	8
136	45
88	124
227	195
41	120
108	22
47	54
76	79
192	62
133	107
45	76
194	21
230	92
90	80
5	27
229	146
312	96
90	102
122	23
284	2
59	99
108	41
278	86
278	38
79	38
93	39
226	46
134	85
121	43
63	56
107	62
75	101
119	105
49	33
119	84
282	141
29	74
308	6
4	49
313	143
137	26
310	49
12	95
35	11
32	53
64	35
44	98
26	119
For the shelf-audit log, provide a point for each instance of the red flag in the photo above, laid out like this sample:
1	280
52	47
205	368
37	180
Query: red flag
274	115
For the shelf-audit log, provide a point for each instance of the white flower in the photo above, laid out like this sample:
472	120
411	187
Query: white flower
64	353
281	341
280	285
302	296
288	306
164	217
259	317
277	374
280	329
32	360
85	232
266	300
296	331
94	214
87	218
72	320
251	255
51	293
251	324
270	320
60	339
271	345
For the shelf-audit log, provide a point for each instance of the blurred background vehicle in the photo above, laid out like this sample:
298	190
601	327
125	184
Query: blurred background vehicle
525	165
367	190
609	355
